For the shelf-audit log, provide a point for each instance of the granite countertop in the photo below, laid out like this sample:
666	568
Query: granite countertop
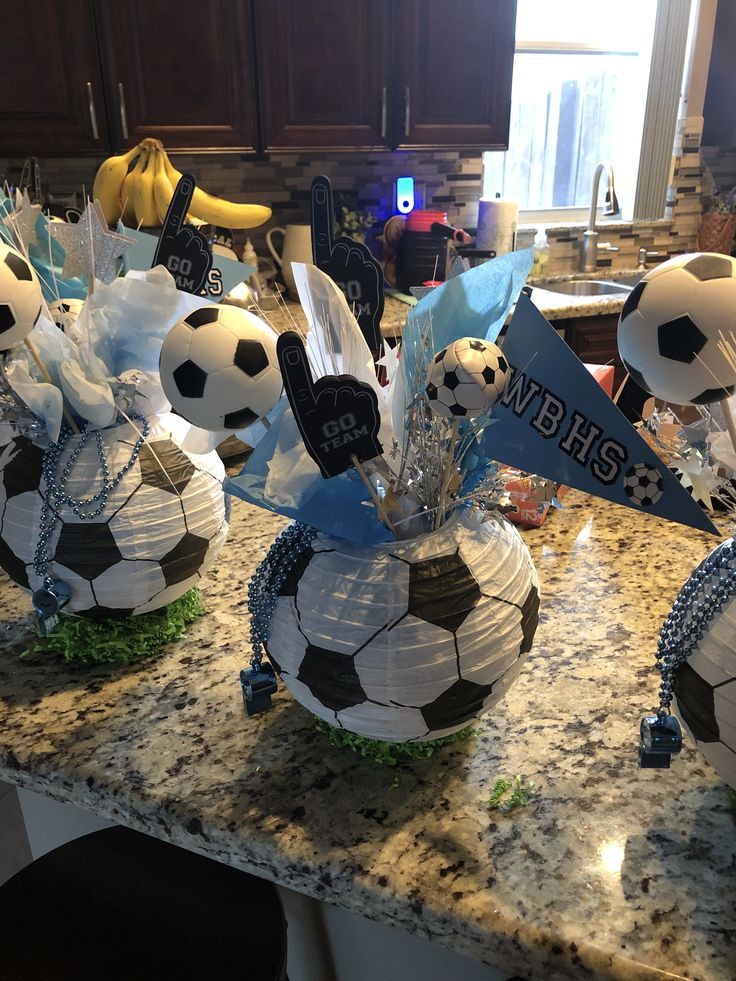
609	872
554	306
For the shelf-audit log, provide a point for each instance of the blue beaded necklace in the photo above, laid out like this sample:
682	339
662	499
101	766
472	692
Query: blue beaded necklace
55	593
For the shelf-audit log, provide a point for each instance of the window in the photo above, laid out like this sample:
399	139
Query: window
580	90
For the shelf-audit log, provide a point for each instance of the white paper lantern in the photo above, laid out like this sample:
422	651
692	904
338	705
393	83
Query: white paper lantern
705	685
163	526
410	640
671	325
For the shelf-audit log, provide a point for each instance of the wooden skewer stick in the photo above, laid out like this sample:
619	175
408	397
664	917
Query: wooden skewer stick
374	497
447	472
47	377
729	422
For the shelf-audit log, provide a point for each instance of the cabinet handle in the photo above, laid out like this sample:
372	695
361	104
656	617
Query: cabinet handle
123	113
384	111
407	110
92	112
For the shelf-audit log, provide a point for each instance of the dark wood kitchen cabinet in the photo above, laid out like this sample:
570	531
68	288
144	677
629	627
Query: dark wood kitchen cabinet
182	72
594	341
453	72
324	73
50	87
385	73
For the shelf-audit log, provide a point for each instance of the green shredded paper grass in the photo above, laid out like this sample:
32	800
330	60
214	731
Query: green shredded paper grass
389	754
119	641
508	795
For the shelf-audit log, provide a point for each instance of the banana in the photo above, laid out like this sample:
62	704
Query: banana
129	190
218	211
143	200
108	182
162	189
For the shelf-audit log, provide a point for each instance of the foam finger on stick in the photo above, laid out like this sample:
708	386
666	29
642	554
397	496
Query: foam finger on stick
466	378
219	368
677	331
20	297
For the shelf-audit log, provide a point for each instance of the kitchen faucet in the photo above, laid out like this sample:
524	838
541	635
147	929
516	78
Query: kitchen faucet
591	245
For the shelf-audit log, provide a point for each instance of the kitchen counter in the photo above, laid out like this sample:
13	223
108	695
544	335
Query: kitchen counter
554	306
609	872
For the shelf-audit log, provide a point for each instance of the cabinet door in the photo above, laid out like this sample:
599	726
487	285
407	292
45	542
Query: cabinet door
594	340
323	73
180	71
454	62
50	95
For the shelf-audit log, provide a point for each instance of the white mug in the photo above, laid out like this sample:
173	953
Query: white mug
296	247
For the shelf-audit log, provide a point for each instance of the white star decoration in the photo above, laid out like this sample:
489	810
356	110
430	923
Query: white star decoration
90	245
22	221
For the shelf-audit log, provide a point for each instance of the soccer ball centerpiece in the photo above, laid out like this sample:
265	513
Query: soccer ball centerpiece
410	640
466	378
672	327
163	526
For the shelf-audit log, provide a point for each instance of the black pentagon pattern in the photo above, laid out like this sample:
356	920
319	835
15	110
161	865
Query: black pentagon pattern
431	391
458	410
529	619
7	320
635	375
439	357
696	704
190	379
477	345
11	564
713	395
101	613
331	678
290	583
250	357
87	549
165	466
451	380
19	267
22	472
710	267
442	591
205	315
240	419
489	375
632	300
680	340
184	559
503	364
460	703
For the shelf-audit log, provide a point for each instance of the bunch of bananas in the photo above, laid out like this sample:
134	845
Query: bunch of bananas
141	195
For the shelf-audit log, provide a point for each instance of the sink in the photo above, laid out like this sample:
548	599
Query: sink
587	287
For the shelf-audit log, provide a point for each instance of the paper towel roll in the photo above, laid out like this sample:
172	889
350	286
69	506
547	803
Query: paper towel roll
497	218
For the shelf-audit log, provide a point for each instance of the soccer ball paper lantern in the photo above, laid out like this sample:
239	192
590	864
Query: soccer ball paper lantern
671	324
410	640
705	684
163	526
20	297
219	368
466	378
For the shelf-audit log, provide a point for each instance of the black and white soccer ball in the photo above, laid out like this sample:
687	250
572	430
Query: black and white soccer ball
20	297
410	640
671	325
705	684
466	378
163	526
219	369
64	313
643	484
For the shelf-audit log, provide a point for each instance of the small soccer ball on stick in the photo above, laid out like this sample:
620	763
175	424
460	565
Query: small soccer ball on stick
20	297
219	369
677	326
467	378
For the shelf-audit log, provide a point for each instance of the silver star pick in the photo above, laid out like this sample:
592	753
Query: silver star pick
90	245
22	221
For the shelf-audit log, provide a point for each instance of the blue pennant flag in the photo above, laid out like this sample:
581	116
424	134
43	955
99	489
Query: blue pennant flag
554	420
224	276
